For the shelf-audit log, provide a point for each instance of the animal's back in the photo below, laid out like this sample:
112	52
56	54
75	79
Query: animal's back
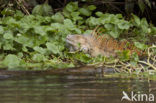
102	45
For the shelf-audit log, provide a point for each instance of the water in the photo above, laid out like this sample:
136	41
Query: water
70	89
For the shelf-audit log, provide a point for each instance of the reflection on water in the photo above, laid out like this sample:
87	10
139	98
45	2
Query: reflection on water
69	89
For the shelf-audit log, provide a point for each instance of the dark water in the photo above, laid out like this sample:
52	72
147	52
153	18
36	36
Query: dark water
71	89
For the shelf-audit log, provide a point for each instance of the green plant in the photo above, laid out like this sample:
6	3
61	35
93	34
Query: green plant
37	41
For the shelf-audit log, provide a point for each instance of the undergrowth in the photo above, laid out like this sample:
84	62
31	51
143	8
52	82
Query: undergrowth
37	41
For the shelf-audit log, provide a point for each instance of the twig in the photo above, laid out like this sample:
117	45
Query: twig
19	2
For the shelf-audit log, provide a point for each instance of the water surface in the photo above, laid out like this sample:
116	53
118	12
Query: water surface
70	89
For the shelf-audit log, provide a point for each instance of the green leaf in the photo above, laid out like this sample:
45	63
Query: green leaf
141	5
40	50
72	6
43	10
40	30
136	20
144	22
99	14
153	30
1	30
144	25
8	35
85	11
39	57
125	55
8	45
85	58
148	3
7	11
76	16
69	24
92	21
58	17
115	33
123	25
53	48
91	7
11	61
140	45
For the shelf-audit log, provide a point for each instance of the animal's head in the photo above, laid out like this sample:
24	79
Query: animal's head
78	43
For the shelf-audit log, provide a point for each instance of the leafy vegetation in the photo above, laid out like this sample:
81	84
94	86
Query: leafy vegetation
37	41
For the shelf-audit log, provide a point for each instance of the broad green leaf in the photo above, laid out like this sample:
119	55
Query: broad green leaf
72	6
8	45
8	35
99	14
58	17
109	26
144	22
18	15
52	47
69	24
92	21
40	30
43	10
153	30
140	45
38	57
1	30
85	11
40	50
125	55
115	33
92	7
11	61
141	5
123	25
137	20
76	16
7	11
148	3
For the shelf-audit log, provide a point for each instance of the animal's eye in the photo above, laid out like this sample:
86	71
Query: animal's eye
85	49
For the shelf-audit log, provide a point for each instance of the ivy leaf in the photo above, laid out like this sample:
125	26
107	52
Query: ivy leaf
114	32
123	25
58	17
92	21
69	24
125	55
8	35
39	57
141	5
99	14
76	16
134	59
136	20
140	45
1	30
7	11
43	10
91	7
85	12
40	50
11	61
40	30
144	25
72	6
52	47
8	45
